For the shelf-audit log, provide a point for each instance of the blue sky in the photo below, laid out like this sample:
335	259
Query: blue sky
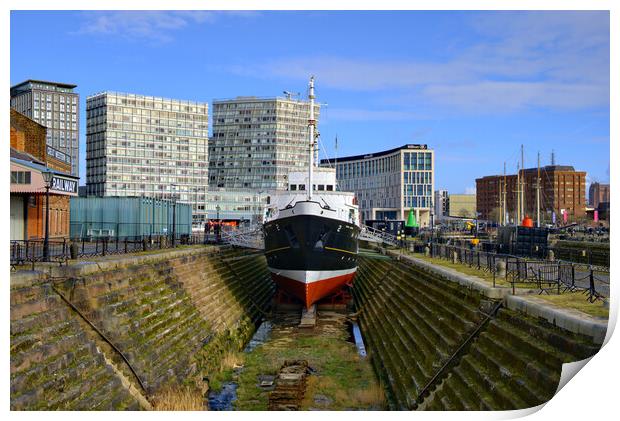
474	86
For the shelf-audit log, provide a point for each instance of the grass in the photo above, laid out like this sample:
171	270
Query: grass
179	398
500	282
229	362
578	301
340	379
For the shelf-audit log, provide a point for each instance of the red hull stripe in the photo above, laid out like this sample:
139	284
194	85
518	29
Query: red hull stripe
314	291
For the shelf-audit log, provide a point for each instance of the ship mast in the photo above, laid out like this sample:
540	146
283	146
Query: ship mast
311	126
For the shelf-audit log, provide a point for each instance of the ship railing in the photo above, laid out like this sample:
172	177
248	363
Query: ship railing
249	238
377	236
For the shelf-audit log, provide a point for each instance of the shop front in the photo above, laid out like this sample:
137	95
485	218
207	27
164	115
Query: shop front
28	200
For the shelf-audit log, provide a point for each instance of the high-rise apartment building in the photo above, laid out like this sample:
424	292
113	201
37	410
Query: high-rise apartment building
256	142
55	106
148	146
562	191
387	184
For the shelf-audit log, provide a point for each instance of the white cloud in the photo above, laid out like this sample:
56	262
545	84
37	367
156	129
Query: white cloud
555	59
155	25
470	190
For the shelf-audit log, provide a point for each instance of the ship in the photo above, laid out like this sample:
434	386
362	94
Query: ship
311	234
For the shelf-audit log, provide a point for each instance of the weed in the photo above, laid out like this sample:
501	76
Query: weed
178	398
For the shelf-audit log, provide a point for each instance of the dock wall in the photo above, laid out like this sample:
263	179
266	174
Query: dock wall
110	334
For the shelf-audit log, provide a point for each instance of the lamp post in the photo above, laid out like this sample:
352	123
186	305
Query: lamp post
47	178
218	227
432	229
174	214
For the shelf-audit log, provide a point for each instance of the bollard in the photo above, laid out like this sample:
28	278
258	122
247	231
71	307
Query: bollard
73	250
144	244
427	251
551	256
411	247
500	268
455	257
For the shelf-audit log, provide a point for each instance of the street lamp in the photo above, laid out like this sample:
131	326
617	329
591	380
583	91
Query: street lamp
174	214
47	178
218	227
432	214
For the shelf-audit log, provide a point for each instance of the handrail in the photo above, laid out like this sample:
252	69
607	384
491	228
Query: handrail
102	335
457	353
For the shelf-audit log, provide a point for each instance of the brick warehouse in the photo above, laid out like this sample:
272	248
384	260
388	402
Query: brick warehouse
563	190
29	157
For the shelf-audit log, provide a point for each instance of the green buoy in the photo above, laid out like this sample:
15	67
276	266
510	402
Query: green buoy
411	222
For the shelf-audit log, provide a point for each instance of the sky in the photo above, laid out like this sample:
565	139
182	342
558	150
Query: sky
473	86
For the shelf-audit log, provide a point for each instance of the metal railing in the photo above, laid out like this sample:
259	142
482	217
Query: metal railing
60	250
547	276
377	236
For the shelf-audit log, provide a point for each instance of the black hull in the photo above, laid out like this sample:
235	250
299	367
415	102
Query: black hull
311	243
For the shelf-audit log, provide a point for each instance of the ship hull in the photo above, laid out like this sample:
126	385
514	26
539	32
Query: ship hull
311	256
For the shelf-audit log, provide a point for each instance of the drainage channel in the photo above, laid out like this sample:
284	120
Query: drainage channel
222	400
288	365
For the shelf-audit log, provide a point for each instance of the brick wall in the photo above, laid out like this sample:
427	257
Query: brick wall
27	135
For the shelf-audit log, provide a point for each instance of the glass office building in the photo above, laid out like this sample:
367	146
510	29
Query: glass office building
148	146
55	106
390	183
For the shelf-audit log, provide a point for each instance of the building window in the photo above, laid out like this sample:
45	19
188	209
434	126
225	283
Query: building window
20	177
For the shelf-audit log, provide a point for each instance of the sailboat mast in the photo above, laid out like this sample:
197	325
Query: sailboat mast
538	194
522	189
311	126
518	195
504	205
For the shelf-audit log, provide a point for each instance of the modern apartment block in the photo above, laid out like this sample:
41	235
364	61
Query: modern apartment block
256	142
55	106
562	191
387	184
148	146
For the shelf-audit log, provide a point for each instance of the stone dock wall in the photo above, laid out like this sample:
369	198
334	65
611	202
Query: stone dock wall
108	335
416	319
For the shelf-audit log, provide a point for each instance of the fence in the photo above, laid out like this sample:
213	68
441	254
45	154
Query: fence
547	276
61	250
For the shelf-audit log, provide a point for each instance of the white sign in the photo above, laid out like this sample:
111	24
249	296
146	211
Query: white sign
64	185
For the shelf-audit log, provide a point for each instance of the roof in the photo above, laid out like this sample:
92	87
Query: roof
47	82
375	154
24	156
40	167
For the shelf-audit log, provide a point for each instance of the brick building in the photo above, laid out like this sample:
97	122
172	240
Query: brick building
30	156
563	190
599	193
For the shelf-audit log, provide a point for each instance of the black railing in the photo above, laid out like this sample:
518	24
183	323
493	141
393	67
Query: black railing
547	276
60	250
